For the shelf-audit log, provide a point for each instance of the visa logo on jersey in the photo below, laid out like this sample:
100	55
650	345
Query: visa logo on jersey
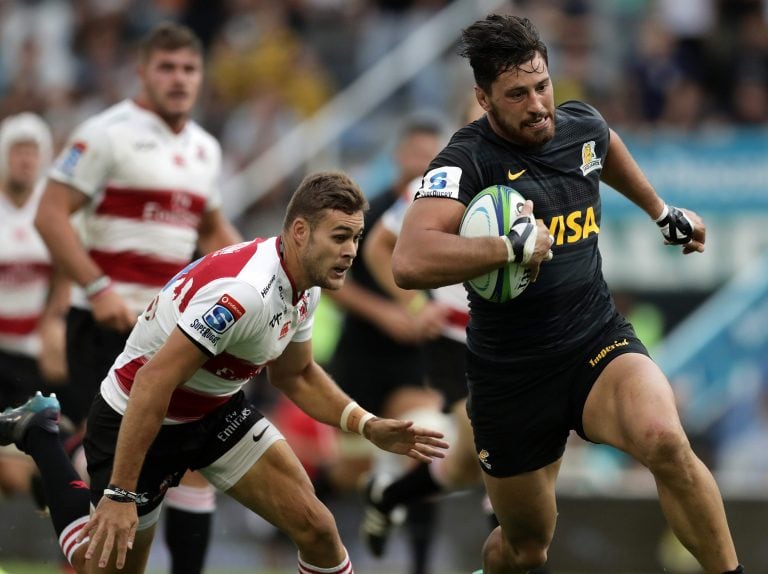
223	314
575	226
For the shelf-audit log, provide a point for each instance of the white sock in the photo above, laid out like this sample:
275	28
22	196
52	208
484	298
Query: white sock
344	568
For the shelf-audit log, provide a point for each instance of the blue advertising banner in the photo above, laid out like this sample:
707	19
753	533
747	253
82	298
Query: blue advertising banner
723	170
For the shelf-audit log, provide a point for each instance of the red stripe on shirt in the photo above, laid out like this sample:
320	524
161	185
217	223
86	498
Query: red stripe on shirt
131	267
185	404
231	368
18	325
224	263
168	206
22	272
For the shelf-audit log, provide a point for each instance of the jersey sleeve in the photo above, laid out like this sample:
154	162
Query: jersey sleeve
222	313
87	159
452	175
304	332
588	116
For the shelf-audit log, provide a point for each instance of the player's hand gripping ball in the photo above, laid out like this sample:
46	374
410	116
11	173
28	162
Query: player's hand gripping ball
491	213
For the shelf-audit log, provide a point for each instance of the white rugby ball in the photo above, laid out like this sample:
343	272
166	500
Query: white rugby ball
490	214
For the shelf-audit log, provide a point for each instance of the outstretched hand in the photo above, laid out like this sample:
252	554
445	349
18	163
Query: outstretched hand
402	437
112	524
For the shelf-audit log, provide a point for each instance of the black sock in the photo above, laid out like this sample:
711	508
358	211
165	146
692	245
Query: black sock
415	485
186	535
420	523
67	495
739	570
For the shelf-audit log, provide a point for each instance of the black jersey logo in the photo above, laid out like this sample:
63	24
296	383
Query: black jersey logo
513	176
575	226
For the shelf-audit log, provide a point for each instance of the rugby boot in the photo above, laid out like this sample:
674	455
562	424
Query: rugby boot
377	522
39	411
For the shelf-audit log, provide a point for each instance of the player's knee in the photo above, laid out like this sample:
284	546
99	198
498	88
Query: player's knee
315	528
665	448
502	554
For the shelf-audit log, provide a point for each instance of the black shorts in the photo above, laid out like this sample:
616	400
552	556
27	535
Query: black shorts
91	350
446	369
522	414
176	449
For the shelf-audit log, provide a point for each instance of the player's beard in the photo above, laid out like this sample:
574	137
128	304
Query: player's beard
315	270
517	135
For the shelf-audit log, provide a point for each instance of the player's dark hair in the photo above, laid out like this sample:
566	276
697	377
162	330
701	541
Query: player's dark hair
498	44
324	190
168	37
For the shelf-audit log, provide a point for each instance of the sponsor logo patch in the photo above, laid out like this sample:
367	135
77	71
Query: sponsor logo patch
484	455
441	182
69	162
224	313
513	176
590	161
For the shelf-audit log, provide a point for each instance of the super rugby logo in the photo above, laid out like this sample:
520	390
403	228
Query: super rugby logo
70	161
223	314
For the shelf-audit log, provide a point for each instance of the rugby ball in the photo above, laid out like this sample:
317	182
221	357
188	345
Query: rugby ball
490	214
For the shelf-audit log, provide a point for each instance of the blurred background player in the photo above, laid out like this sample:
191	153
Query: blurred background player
31	312
379	355
143	178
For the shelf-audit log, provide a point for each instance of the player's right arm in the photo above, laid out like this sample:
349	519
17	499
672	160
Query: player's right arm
58	203
430	253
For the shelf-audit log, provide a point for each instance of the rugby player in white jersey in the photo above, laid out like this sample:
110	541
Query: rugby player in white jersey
173	398
143	179
31	332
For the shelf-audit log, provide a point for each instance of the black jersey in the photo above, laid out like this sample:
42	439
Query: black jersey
570	301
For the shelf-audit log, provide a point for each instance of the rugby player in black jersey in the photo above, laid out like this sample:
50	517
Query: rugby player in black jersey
559	357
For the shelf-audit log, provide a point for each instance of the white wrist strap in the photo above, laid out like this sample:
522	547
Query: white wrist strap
345	414
510	251
664	213
352	405
364	419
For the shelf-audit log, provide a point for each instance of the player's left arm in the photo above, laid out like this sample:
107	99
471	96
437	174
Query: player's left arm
678	226
303	381
216	231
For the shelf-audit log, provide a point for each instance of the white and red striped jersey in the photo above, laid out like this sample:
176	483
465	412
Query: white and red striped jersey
25	272
148	189
454	297
239	305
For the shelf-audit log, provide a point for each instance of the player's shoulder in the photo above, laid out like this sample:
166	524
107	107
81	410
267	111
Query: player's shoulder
201	136
580	111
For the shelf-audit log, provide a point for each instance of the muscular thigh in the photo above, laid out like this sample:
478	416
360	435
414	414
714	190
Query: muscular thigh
630	401
277	487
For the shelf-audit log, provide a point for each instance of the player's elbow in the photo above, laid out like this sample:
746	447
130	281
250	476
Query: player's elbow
405	271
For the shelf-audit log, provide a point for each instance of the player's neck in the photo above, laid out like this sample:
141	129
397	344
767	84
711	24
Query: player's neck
16	194
291	257
175	122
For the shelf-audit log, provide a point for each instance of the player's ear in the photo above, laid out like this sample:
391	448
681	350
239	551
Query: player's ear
482	98
300	229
